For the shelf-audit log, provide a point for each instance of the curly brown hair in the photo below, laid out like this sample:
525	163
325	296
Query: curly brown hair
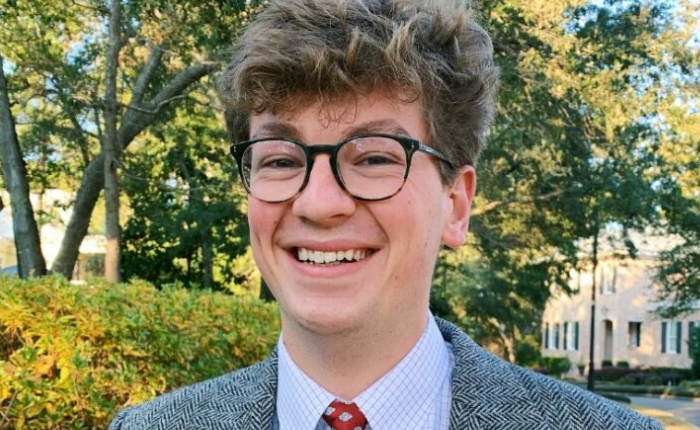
434	51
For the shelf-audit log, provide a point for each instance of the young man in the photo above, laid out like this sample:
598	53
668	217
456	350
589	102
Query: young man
357	125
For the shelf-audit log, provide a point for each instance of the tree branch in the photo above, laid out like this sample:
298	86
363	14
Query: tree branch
514	200
152	64
183	80
103	11
158	108
6	415
135	121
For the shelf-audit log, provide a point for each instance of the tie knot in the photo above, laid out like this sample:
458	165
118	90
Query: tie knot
341	415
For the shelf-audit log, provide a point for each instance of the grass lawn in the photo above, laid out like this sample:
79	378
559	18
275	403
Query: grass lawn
667	420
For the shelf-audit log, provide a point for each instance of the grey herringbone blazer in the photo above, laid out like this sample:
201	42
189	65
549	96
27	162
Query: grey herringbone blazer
487	393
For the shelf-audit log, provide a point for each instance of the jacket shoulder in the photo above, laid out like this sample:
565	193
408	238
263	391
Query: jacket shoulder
567	406
224	402
490	393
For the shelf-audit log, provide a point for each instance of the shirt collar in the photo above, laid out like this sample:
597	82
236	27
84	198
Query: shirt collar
300	400
410	387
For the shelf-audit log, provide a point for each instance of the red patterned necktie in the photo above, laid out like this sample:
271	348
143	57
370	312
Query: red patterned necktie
344	416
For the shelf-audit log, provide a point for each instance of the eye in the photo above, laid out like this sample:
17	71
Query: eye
377	159
280	163
373	151
275	155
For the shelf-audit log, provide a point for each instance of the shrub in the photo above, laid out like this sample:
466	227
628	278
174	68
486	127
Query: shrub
611	373
671	378
628	379
555	366
653	379
690	384
638	378
71	356
622	363
527	351
607	363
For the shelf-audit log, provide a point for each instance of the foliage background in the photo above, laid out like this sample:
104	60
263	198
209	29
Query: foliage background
72	355
598	135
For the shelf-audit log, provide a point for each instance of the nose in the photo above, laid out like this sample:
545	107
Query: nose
323	201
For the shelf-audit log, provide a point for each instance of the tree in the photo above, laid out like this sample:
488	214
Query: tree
29	257
186	223
575	149
166	48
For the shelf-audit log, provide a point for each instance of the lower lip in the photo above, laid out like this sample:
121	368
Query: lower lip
329	270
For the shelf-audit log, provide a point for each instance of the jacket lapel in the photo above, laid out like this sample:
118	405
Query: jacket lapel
245	401
260	409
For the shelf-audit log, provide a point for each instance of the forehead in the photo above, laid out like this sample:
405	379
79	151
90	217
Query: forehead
329	121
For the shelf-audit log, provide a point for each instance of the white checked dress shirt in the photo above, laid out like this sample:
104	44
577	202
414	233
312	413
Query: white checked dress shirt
415	394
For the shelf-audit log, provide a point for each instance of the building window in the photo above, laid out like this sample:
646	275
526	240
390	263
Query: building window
551	340
634	335
571	336
671	337
607	280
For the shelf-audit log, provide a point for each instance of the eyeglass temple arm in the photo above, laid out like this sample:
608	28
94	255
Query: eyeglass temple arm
434	152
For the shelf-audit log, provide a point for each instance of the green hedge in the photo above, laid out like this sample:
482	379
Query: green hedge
655	390
71	356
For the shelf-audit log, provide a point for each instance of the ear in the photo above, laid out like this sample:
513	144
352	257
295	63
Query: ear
460	195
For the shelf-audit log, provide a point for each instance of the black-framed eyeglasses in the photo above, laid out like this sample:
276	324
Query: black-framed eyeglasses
370	167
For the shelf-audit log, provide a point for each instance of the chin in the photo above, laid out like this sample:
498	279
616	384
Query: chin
327	322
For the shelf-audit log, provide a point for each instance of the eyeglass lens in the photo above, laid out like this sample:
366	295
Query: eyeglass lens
370	167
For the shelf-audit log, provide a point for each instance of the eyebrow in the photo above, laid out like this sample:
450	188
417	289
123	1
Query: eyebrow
273	129
389	126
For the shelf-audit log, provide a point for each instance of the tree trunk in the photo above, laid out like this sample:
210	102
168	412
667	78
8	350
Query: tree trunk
134	122
111	148
29	257
77	228
207	259
509	343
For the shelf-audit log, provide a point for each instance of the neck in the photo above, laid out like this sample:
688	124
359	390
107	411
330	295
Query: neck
347	363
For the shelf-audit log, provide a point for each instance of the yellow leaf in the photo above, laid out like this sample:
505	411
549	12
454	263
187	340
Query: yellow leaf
35	409
65	373
4	393
44	364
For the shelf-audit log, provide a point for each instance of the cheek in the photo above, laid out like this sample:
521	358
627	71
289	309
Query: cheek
414	227
263	220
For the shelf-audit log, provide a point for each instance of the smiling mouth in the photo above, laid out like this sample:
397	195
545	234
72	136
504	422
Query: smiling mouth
311	256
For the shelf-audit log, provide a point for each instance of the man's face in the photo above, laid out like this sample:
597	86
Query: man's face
393	243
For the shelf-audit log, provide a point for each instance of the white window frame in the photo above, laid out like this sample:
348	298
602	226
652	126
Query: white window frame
571	336
552	336
672	337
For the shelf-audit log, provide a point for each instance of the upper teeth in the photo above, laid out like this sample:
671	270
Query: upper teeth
321	257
